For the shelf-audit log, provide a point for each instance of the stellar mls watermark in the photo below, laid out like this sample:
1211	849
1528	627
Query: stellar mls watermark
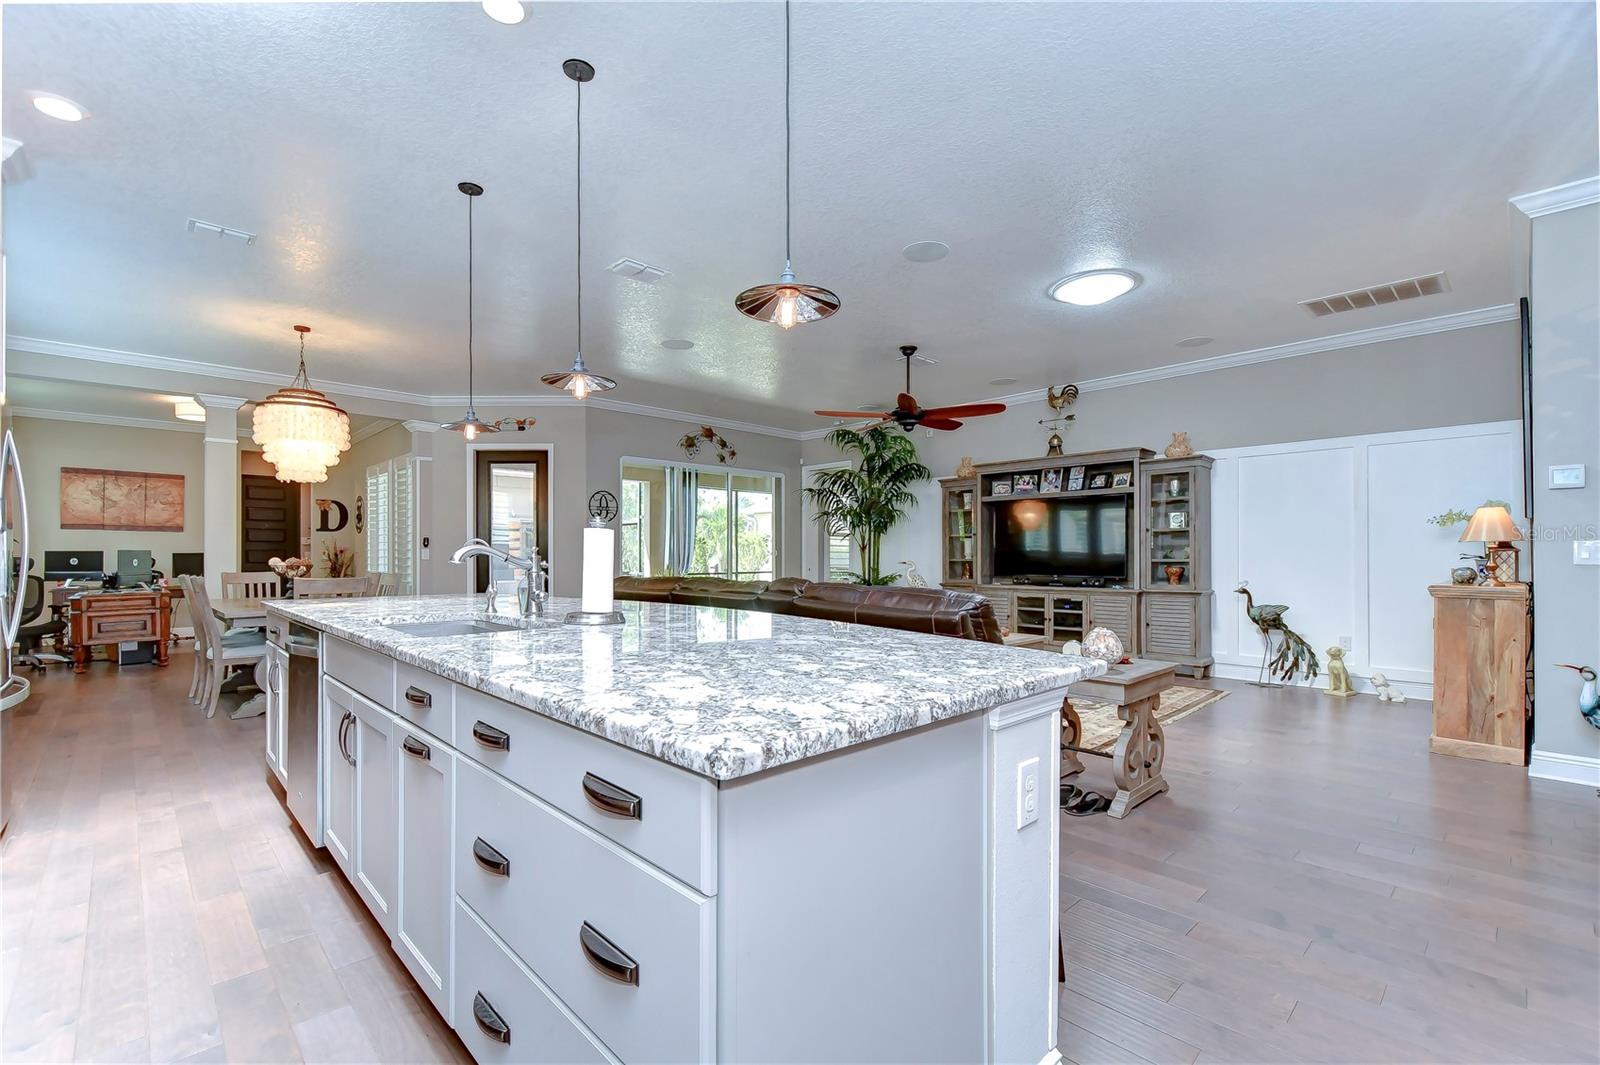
1560	533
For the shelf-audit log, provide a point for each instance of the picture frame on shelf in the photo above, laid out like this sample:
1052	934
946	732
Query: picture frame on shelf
1051	481
1122	480
1099	480
1025	483
1178	519
1000	486
1075	479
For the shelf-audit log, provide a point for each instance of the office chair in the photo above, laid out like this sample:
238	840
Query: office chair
32	633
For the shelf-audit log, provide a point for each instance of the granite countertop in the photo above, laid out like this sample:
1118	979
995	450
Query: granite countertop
724	693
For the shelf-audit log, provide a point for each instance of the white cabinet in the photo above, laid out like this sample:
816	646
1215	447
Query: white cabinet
277	685
338	773
375	851
422	926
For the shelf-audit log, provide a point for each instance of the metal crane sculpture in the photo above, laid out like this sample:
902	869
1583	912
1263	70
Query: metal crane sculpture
1589	697
1293	654
913	578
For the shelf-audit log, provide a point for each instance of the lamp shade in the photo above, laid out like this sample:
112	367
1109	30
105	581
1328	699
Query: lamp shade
1491	525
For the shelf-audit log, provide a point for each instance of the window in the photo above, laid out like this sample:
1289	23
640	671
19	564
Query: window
839	550
635	532
693	521
392	522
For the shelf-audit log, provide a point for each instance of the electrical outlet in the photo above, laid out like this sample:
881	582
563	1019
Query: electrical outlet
1344	641
1027	793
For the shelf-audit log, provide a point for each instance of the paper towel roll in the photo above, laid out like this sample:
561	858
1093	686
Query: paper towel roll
599	556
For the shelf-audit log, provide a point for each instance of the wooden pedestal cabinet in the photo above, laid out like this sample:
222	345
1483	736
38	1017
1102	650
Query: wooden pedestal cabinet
1480	654
1177	628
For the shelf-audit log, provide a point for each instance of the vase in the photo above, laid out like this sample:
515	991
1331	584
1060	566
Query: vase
1174	574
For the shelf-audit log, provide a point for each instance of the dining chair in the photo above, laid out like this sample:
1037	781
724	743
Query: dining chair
191	600
385	583
259	585
224	652
332	587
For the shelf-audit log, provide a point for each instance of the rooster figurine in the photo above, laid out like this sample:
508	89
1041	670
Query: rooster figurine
1294	655
1589	696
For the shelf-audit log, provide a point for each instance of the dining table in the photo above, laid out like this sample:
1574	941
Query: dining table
245	613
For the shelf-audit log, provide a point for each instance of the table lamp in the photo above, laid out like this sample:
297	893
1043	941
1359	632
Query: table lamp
1493	527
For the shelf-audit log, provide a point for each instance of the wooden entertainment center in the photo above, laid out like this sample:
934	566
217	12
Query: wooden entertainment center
1159	607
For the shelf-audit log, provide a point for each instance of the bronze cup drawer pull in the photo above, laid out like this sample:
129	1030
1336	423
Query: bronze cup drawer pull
607	957
491	860
416	748
608	798
492	1024
418	698
491	737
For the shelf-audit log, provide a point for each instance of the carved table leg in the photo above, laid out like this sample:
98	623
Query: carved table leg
80	658
1136	762
1071	736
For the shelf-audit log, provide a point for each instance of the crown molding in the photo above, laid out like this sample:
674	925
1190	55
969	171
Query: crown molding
416	425
367	431
107	419
1560	198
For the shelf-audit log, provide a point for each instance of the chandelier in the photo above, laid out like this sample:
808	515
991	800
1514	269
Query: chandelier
300	430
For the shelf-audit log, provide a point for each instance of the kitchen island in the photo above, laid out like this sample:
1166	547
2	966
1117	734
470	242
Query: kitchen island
702	835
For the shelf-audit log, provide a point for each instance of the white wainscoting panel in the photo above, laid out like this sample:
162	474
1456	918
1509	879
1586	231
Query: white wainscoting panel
1337	530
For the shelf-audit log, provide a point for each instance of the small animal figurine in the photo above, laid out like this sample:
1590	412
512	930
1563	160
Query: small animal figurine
1589	696
913	578
1180	448
1387	692
965	468
1062	399
1338	674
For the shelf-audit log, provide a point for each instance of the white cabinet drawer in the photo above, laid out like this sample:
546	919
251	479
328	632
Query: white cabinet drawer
425	699
538	879
503	1013
359	669
660	812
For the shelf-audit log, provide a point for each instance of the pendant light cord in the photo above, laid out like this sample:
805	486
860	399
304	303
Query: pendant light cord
788	141
579	183
469	301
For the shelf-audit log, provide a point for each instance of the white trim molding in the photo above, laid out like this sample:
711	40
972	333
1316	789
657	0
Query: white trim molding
1579	193
1568	768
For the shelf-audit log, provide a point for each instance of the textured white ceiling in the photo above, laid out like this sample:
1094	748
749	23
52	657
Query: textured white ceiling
1240	156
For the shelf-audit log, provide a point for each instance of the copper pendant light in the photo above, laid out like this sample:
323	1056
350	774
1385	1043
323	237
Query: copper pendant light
787	303
469	426
578	380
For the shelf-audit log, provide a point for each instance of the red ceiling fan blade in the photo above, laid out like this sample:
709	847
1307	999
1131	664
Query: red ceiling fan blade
967	410
852	415
906	401
940	423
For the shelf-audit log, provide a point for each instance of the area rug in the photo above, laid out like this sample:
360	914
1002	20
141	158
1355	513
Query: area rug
1101	724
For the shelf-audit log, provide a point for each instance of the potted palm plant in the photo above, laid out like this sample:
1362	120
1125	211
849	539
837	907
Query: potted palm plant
866	501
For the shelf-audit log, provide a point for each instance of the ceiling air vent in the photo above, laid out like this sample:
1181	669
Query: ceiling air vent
211	229
1409	289
634	270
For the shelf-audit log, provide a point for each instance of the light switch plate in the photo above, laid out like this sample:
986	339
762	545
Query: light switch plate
1027	793
1567	476
1586	552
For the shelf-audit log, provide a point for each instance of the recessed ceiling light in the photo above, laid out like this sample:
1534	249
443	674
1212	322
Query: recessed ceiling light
1093	287
509	12
1194	342
926	251
1000	382
188	410
677	345
58	107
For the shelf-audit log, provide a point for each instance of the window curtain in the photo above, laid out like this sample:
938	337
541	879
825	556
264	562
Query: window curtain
682	485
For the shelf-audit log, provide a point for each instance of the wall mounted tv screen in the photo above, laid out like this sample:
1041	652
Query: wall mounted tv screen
1062	538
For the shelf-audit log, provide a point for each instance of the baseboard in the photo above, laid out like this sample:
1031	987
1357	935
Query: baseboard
1412	689
1569	768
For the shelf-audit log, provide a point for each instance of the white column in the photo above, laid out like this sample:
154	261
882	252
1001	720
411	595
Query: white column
220	527
422	457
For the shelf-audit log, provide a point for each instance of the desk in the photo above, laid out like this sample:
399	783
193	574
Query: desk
246	613
106	618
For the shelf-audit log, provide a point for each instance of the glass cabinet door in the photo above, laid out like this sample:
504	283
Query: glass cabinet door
1171	541
958	526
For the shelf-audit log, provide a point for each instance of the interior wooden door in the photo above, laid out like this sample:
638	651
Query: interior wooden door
270	520
511	494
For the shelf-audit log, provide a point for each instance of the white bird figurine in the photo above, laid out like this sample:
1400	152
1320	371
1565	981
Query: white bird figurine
913	578
1589	696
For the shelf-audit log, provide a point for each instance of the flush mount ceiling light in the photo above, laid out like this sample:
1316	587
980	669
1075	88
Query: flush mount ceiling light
1094	287
469	426
1001	382
578	380
508	12
788	303
300	430
1194	342
677	345
187	410
58	107
926	251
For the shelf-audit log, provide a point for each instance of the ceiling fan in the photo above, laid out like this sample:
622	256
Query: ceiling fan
908	415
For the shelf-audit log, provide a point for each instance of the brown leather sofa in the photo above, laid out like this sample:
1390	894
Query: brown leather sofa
935	610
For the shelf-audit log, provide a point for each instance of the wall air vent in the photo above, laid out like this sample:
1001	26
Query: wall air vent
1409	289
211	229
634	270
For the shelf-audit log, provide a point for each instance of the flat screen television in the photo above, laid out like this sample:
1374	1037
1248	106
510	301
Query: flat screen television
1062	538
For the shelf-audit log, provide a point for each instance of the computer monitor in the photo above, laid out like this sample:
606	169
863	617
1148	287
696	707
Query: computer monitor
134	567
188	564
74	565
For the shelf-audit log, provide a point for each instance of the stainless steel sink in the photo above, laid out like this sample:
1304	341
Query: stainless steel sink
451	628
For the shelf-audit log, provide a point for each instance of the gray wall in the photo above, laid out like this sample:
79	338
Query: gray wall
1565	301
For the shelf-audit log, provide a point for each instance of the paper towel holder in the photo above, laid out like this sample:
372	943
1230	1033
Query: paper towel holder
602	508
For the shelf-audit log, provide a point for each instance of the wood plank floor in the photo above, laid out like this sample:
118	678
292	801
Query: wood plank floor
1316	888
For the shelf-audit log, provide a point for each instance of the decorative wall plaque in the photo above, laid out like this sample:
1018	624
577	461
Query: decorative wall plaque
121	499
